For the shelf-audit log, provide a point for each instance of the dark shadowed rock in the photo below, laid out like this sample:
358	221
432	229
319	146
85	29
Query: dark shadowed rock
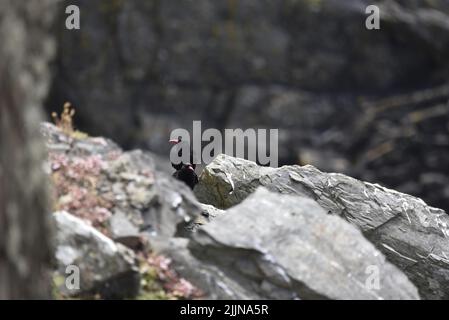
105	267
309	68
287	247
410	233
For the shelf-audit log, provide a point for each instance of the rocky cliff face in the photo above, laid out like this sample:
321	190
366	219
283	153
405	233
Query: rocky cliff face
108	203
371	103
254	232
411	234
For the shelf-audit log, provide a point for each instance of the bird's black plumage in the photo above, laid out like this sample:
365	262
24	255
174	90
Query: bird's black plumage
187	174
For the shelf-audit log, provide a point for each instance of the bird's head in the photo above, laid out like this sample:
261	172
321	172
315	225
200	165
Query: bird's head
175	141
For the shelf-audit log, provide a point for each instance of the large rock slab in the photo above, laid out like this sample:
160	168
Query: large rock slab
287	247
105	267
154	201
413	235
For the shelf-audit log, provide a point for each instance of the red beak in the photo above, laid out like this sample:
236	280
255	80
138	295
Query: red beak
173	141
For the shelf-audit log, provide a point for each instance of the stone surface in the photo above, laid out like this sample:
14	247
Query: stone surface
123	231
287	247
210	212
105	267
27	47
128	182
121	201
155	202
237	244
58	141
413	235
138	69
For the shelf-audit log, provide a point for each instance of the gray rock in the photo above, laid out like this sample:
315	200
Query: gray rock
246	64
410	233
212	281
106	268
210	212
124	231
287	247
26	51
227	181
135	183
58	141
154	202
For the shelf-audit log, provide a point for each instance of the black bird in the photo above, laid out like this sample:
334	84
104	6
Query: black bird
187	174
185	171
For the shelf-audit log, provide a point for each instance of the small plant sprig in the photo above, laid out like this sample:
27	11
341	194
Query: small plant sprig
65	122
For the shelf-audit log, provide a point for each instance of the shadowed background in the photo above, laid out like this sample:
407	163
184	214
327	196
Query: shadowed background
371	104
